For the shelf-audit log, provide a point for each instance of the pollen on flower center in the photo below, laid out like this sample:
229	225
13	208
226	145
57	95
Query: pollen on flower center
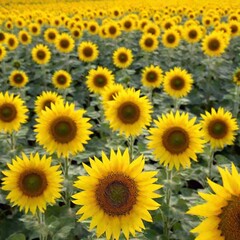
116	194
7	112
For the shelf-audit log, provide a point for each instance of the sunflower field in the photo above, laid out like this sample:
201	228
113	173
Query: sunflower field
119	120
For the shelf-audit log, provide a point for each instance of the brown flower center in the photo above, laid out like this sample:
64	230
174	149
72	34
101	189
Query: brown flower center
152	30
61	79
24	37
93	28
123	57
128	112
151	76
230	220
64	43
237	75
149	42
18	78
234	28
34	29
175	140
51	35
11	42
171	38
112	30
88	51
192	34
63	129
100	80
41	54
2	37
127	24
177	83
32	183
47	104
168	25
214	44
116	194
8	112
217	129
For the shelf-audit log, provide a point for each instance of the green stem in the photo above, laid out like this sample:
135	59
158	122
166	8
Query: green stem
41	221
236	102
176	104
44	76
131	146
210	162
167	227
67	196
12	141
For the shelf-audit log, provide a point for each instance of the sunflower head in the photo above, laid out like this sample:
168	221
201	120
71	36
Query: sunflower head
152	76
24	37
236	76
12	112
148	42
221	209
122	57
3	52
12	42
176	140
29	181
50	35
64	43
219	127
18	78
117	193
177	82
88	51
61	79
41	54
171	38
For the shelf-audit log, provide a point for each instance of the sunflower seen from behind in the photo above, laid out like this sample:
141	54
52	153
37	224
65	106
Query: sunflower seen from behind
61	79
98	79
117	195
12	112
18	78
32	182
219	127
177	82
41	54
175	140
220	210
45	100
88	51
152	76
62	129
122	57
129	113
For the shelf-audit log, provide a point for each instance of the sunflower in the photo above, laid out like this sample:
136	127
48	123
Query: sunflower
221	210
177	82
18	78
50	35
235	28
3	52
152	28
64	43
3	37
61	79
24	37
98	79
127	23
41	54
219	127
12	112
192	33
129	113
152	76
214	44
171	38
45	99
76	32
176	140
62	129
110	93
35	29
236	76
148	42
122	57
93	27
112	29
12	42
88	51
117	194
32	182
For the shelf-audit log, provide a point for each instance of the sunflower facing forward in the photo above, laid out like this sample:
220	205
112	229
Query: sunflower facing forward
122	57
88	51
62	129
18	78
98	79
41	54
219	127
32	182
64	43
171	38
152	76
177	82
176	140
221	209
117	195
61	79
148	42
12	112
129	113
